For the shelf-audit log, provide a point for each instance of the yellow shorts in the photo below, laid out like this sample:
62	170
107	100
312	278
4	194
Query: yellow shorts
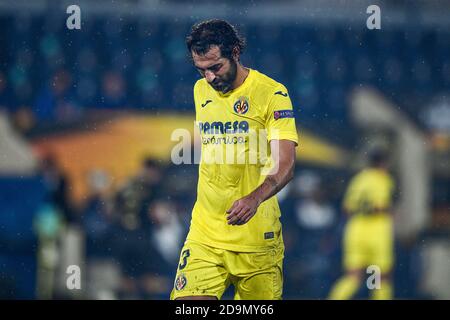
368	240
208	271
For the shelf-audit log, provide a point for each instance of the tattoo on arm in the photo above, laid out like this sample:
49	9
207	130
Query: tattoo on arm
277	181
267	189
273	183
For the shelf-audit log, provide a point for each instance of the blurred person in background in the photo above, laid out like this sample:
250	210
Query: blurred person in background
56	101
113	94
368	238
49	225
98	215
130	244
165	235
57	187
99	224
165	230
315	218
133	198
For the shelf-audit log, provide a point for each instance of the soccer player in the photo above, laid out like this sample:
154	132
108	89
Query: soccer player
235	233
368	237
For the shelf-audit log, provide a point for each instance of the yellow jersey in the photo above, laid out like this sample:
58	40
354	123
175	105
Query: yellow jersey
369	191
368	237
235	131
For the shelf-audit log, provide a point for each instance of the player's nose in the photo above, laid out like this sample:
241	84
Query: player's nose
210	76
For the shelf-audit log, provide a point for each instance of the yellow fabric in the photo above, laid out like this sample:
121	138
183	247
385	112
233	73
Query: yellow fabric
345	288
384	292
226	123
369	241
370	190
368	237
207	271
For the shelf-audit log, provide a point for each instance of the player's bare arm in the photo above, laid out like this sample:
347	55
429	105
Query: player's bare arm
283	154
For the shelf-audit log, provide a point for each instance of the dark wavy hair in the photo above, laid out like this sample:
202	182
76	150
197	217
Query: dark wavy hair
214	32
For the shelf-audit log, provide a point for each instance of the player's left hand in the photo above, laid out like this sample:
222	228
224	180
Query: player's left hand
242	210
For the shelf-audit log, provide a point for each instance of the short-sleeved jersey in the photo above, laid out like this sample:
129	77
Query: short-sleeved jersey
369	191
235	131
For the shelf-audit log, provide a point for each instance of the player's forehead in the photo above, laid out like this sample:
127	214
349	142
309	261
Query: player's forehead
210	58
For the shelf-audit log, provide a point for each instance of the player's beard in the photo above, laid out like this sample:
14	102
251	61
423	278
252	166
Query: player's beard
225	83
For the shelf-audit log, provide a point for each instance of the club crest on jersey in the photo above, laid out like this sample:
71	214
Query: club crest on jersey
180	282
241	105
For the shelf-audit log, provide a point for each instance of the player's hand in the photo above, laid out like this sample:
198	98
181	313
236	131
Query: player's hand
242	210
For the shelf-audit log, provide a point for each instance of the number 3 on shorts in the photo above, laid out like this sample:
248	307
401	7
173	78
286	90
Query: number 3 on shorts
184	255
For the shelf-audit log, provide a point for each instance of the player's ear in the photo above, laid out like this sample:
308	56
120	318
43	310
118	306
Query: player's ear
235	53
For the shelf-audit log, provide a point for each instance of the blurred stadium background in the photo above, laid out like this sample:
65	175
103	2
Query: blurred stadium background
86	118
